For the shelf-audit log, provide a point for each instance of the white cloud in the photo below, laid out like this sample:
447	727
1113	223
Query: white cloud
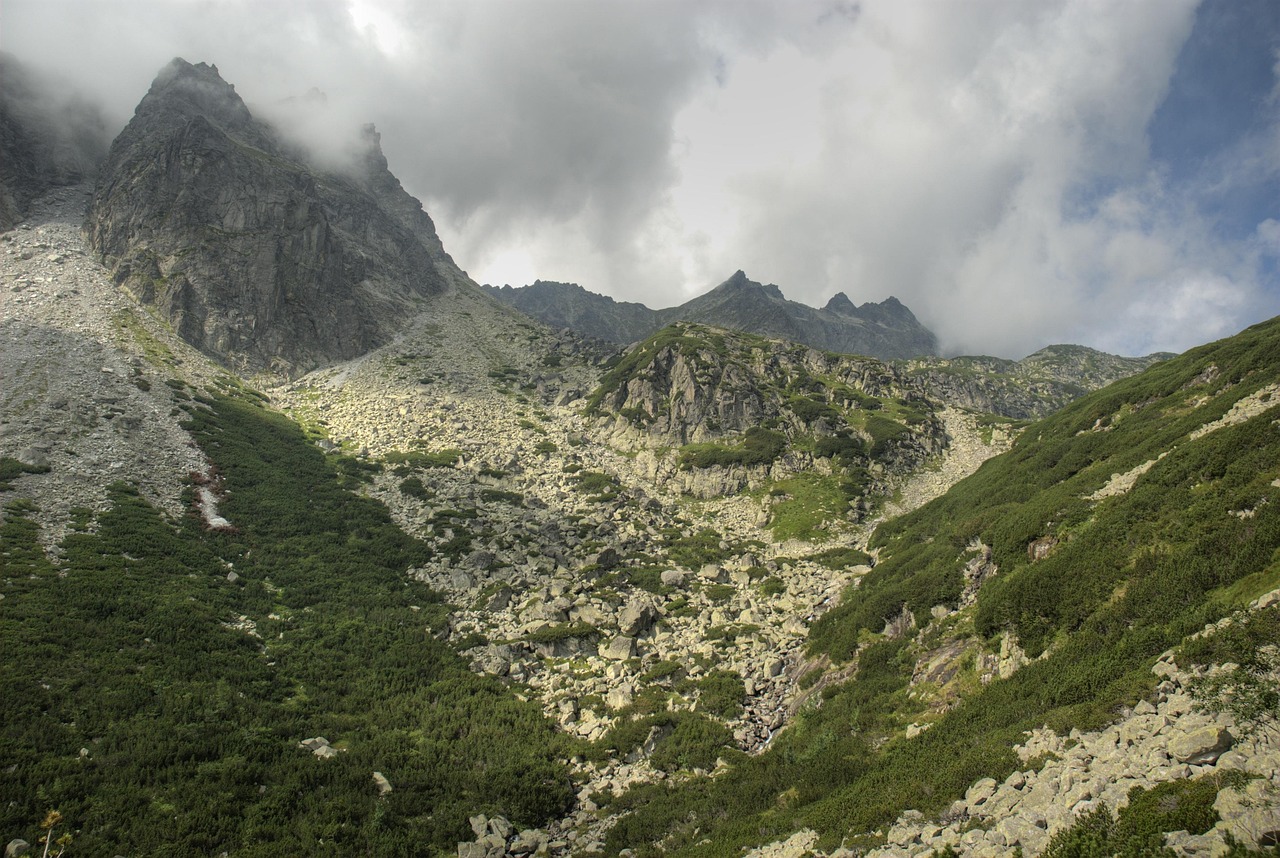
986	162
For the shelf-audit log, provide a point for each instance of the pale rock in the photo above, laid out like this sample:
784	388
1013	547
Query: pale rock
1202	745
620	648
673	577
1250	814
980	792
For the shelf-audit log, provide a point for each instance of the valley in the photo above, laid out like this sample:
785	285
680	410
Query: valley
458	582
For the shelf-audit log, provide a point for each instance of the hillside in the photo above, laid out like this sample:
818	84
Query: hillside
1056	591
1036	386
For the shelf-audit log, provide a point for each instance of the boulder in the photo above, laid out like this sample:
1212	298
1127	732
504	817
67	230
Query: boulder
1201	746
712	572
606	558
636	618
620	648
980	792
673	577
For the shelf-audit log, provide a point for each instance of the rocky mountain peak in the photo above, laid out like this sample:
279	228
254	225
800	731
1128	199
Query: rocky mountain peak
840	303
182	91
254	253
740	283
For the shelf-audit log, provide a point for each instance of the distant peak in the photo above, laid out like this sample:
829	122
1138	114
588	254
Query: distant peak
739	281
179	69
840	303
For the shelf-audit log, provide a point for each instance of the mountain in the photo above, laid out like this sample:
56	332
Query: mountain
255	256
887	330
490	589
1035	386
568	305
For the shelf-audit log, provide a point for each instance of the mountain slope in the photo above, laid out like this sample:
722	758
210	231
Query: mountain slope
252	255
568	305
887	330
1040	591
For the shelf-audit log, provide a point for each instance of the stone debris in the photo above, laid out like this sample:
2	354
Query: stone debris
1160	740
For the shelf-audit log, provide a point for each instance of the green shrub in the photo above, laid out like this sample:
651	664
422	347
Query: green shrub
413	487
759	446
11	469
721	693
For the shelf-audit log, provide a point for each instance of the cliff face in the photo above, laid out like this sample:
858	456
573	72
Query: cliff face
254	256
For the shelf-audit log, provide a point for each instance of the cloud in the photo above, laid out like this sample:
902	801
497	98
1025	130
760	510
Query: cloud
988	163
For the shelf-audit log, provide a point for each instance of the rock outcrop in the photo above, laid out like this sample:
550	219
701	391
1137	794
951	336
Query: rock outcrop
254	256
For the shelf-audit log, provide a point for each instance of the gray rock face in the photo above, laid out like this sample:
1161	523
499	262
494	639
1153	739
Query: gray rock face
254	256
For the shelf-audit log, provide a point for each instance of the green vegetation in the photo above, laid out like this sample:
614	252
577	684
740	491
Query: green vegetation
684	740
841	558
812	506
721	693
562	632
1130	575
11	469
418	460
191	693
1140	827
1247	690
597	486
758	447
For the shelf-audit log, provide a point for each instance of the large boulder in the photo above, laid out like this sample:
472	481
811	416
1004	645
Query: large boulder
1201	746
